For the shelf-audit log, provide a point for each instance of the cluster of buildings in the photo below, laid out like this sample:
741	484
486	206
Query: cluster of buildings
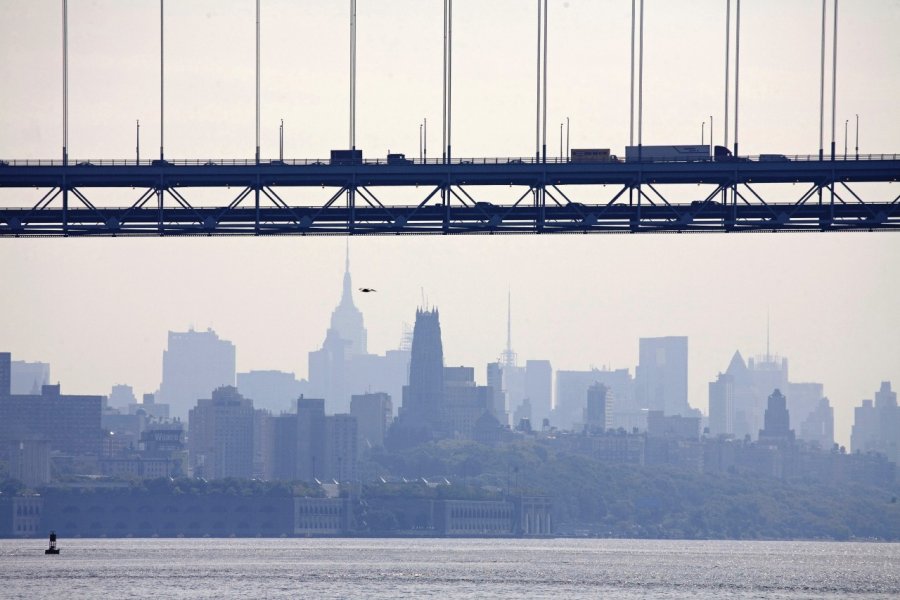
208	420
775	451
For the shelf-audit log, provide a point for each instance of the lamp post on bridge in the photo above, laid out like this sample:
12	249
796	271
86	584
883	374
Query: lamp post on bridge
857	137
703	133
846	122
281	141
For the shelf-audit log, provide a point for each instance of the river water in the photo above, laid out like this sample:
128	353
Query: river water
446	569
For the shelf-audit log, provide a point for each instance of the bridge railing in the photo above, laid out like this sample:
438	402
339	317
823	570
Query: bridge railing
507	160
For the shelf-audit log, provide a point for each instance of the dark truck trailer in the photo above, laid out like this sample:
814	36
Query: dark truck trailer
346	157
679	153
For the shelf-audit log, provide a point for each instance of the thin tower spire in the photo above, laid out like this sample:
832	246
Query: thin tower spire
508	323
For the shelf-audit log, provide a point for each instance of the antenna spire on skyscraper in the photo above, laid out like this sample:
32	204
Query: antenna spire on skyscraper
508	358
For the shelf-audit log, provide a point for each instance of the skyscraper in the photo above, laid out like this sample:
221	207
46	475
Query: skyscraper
423	399
876	427
343	367
221	435
777	430
341	448
311	439
346	319
598	412
721	405
194	364
662	375
539	390
373	413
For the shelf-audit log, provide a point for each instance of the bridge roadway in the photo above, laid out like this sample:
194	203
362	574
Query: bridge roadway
446	206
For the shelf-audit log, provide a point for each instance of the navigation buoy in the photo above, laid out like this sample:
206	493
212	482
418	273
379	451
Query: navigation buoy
52	549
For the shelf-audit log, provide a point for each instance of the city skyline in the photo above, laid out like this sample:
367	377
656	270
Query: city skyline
842	423
99	310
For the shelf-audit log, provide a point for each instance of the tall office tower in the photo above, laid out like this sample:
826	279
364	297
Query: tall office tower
272	390
777	428
876	427
598	412
220	438
121	396
498	395
284	447
571	390
423	398
803	400
464	403
539	390
721	405
70	423
311	439
373	413
818	426
341	449
29	377
661	379
194	364
263	444
420	417
5	374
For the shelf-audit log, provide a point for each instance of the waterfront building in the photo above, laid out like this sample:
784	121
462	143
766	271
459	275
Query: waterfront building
70	423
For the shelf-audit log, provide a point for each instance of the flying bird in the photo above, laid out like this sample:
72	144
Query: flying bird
367	290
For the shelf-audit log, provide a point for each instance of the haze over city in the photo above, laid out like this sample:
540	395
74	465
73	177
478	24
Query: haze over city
99	310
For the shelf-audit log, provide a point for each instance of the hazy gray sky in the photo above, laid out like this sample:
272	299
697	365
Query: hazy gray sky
99	310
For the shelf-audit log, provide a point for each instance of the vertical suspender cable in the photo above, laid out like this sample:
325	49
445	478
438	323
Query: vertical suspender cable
161	81
737	70
727	64
641	83
822	91
444	92
449	77
631	88
257	84
834	78
65	57
537	102
544	136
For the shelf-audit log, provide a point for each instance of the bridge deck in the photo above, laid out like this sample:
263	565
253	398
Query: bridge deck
443	211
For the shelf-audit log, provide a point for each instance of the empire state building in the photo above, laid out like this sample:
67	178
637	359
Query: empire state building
346	319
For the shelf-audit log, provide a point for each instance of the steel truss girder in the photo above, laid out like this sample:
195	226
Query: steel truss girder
542	207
